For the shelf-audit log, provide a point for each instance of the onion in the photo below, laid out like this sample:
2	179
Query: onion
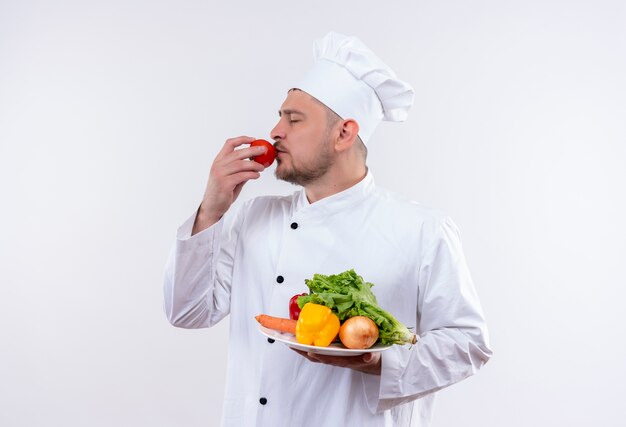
358	332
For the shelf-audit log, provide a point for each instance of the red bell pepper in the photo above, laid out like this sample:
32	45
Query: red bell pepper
294	310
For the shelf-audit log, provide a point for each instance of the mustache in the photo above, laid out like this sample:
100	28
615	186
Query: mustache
279	147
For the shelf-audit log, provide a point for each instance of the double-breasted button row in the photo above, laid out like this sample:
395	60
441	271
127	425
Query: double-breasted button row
281	279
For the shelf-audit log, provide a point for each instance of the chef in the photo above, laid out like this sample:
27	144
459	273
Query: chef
252	260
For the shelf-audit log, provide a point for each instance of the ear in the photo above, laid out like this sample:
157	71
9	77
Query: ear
348	133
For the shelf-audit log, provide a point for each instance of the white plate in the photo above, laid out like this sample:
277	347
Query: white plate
334	349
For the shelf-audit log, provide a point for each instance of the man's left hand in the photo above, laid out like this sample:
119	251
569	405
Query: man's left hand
368	363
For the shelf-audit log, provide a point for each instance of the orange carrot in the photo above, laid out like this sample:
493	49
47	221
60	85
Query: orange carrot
277	323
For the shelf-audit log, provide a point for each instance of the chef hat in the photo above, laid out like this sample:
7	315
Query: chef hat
352	81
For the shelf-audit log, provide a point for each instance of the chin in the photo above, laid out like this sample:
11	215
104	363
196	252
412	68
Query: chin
281	170
286	175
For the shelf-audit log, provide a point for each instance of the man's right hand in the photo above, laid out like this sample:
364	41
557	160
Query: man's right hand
231	169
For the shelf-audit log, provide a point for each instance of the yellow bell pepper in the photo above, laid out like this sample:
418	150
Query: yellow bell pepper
317	325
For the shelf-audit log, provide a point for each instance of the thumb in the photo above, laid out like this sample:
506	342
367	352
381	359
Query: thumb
367	357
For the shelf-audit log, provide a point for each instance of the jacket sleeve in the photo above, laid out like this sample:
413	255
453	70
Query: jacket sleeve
198	274
453	341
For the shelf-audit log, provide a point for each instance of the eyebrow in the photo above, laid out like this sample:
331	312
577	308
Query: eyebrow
289	111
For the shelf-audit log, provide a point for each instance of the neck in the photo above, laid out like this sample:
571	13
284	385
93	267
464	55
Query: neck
335	182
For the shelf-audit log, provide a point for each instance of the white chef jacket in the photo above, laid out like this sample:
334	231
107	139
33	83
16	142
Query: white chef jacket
255	260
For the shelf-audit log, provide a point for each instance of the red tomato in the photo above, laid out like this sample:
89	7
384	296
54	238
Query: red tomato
268	157
294	310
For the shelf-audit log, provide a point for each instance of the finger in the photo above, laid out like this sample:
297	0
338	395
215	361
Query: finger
335	360
371	358
241	166
233	143
315	357
240	154
246	153
237	189
242	177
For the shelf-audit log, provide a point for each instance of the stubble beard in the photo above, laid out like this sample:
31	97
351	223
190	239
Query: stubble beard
309	173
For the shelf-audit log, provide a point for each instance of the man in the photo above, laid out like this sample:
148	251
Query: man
252	261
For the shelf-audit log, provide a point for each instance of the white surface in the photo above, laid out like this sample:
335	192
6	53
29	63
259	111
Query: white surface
111	113
334	349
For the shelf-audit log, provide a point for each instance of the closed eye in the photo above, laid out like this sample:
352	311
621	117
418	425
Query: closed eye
293	116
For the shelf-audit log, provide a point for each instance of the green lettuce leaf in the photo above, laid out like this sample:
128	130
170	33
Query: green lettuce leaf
348	295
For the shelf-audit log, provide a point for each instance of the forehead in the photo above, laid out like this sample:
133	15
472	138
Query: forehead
302	101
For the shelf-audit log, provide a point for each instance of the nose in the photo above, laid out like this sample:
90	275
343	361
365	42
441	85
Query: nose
278	132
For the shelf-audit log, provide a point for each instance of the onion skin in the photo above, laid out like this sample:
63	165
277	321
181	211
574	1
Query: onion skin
358	332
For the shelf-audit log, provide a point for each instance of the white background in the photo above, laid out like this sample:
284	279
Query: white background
112	111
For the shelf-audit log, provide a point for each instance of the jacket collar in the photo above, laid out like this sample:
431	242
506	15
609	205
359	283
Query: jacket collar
337	202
